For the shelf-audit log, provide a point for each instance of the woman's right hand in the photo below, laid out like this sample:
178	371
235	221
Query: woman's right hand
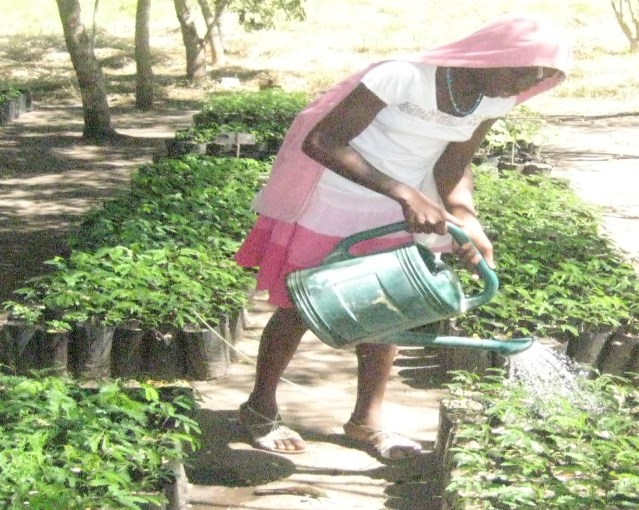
423	215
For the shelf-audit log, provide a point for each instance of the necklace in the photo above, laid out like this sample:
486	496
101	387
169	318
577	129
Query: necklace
458	110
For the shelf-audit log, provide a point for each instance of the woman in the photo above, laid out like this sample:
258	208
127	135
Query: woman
393	142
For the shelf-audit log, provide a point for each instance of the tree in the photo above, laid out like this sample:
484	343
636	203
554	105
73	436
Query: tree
97	118
194	45
143	61
252	14
213	20
264	14
627	13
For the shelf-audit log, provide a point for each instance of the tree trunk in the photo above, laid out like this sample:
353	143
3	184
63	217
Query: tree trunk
217	35
143	62
214	36
627	14
97	118
194	46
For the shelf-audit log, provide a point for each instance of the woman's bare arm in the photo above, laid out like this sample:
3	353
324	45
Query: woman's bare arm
328	143
455	185
453	173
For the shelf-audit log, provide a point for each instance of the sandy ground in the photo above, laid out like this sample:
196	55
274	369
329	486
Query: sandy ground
600	157
49	177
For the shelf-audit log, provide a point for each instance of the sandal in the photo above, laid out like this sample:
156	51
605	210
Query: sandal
387	445
269	434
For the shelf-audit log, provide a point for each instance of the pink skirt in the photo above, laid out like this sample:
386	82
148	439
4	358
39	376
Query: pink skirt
277	249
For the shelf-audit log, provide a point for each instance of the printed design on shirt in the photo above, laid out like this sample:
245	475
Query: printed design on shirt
436	116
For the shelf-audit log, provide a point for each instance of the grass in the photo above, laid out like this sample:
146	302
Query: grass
337	38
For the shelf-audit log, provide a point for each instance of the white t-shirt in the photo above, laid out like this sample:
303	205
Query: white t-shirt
404	141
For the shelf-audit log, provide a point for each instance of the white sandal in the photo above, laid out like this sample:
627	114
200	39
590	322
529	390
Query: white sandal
266	432
387	445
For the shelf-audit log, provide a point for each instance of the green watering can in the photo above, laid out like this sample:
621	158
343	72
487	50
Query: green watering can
380	297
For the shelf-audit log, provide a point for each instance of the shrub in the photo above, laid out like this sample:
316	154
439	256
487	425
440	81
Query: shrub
558	276
8	93
514	451
517	131
187	202
267	114
153	287
67	446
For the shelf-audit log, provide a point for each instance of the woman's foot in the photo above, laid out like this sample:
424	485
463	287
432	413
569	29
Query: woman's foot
387	445
269	433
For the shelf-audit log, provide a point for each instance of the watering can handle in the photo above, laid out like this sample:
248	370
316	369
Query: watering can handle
341	252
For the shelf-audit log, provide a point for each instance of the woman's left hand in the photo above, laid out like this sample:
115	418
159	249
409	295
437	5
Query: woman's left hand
481	246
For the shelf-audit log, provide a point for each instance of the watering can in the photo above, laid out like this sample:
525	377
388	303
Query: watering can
381	297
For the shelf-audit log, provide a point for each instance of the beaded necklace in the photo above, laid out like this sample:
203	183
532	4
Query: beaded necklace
458	110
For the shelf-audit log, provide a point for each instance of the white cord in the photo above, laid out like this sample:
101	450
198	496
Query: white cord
245	356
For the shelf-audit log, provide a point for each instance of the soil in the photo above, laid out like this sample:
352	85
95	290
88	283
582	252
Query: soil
50	177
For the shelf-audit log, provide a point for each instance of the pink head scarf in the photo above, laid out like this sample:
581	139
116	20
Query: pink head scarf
510	41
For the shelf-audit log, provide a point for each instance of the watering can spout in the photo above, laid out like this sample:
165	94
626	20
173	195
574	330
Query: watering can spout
504	347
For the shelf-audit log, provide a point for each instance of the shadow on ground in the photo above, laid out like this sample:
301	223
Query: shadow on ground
225	466
316	400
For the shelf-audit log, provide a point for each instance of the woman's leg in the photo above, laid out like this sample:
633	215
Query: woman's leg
375	362
278	344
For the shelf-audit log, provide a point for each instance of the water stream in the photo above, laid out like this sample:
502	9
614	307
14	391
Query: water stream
547	374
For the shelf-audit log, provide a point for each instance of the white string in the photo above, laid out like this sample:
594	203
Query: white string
245	356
